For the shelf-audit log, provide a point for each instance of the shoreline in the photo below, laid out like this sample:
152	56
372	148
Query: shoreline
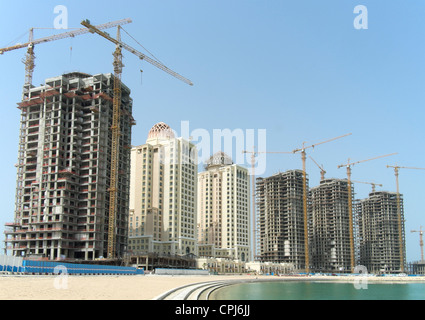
143	287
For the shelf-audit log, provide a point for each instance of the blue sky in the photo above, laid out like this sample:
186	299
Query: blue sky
298	69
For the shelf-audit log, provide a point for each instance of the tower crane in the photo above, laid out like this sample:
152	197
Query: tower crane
421	241
30	55
400	233
323	173
254	228
373	184
350	204
303	158
322	169
141	56
115	128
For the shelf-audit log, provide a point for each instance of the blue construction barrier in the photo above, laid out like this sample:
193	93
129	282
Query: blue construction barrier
20	265
50	267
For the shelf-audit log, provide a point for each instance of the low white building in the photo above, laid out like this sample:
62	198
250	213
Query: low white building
223	265
220	265
269	267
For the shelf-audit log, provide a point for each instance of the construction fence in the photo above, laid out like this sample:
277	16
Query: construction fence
10	264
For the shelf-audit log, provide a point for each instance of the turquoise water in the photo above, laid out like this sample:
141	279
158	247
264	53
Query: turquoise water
299	290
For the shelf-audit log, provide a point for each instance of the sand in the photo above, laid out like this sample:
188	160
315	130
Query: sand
95	287
144	287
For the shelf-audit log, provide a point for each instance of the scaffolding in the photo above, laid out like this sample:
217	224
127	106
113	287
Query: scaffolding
281	218
63	169
329	227
379	241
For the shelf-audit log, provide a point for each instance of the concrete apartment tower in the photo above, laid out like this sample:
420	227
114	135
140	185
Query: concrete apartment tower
280	214
224	209
381	236
329	228
163	194
62	198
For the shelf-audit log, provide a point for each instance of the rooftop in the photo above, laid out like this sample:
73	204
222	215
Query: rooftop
161	130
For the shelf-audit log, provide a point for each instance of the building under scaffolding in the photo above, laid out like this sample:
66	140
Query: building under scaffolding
281	218
417	267
64	168
329	227
379	236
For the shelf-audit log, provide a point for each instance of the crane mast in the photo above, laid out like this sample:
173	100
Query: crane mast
421	241
29	59
115	145
400	234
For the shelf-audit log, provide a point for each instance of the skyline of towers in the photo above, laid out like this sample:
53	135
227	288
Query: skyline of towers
62	197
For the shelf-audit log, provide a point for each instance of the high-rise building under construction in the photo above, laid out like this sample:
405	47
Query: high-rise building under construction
64	169
381	235
280	213
329	225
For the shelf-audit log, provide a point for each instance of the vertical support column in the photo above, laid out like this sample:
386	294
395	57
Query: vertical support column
350	218
400	233
29	64
254	230
115	150
306	253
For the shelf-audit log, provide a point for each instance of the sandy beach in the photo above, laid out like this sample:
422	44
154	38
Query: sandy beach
144	287
95	287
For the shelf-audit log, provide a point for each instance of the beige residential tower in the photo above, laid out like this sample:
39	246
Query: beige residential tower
224	209
163	187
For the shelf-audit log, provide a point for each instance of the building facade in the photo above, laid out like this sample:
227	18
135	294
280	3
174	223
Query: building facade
64	167
224	209
163	191
280	213
329	229
381	235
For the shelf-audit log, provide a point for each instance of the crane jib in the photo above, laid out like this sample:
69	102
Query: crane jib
136	52
65	35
